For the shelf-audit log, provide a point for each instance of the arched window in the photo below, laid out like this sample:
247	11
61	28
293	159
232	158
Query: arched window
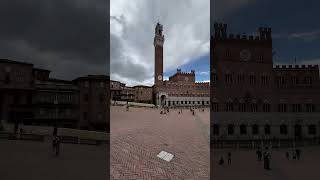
243	129
312	129
255	129
267	129
283	129
230	129
229	106
215	129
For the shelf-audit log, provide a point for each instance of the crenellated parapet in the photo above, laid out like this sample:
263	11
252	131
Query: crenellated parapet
220	32
202	83
296	67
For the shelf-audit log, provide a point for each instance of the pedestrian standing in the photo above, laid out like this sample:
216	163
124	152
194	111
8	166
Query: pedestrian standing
57	146
298	152
54	144
221	162
266	159
229	158
259	154
287	155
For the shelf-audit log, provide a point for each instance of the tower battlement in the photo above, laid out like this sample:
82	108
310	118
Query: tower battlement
296	67
220	32
192	72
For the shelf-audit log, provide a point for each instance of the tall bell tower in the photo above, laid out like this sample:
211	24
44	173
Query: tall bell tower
158	56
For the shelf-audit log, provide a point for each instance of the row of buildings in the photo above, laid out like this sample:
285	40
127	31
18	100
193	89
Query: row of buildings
30	96
252	98
121	92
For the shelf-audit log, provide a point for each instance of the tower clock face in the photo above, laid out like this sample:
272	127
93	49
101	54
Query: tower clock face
186	78
245	55
159	77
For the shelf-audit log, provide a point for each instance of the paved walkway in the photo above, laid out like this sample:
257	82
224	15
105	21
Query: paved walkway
245	166
22	160
139	135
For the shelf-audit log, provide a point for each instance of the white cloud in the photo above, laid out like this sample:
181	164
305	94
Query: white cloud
204	73
186	27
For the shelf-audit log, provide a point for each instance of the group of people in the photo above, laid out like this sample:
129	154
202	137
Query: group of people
296	154
165	110
221	161
266	157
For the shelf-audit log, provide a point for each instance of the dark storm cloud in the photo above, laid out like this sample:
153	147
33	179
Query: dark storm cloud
68	37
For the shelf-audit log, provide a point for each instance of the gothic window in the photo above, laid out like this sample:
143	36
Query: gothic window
240	78
215	129
243	129
296	108
215	78
252	79
267	129
264	80
282	107
85	115
229	106
242	107
312	129
215	107
86	84
254	107
230	129
228	54
310	107
101	98
280	81
7	79
228	78
255	129
294	80
283	129
261	57
308	80
85	97
266	107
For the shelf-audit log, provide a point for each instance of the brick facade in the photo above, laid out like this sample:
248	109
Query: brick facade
247	89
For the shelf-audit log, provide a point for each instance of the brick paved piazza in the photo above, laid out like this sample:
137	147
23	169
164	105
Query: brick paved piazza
245	165
137	136
30	160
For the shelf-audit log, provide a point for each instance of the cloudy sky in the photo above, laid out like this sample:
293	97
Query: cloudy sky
68	37
294	23
186	29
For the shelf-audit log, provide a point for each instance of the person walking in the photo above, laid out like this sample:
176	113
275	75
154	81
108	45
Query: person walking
266	159
298	153
287	155
229	158
221	161
57	145
259	154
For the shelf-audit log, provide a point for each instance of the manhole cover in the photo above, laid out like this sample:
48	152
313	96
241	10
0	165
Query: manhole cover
165	156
